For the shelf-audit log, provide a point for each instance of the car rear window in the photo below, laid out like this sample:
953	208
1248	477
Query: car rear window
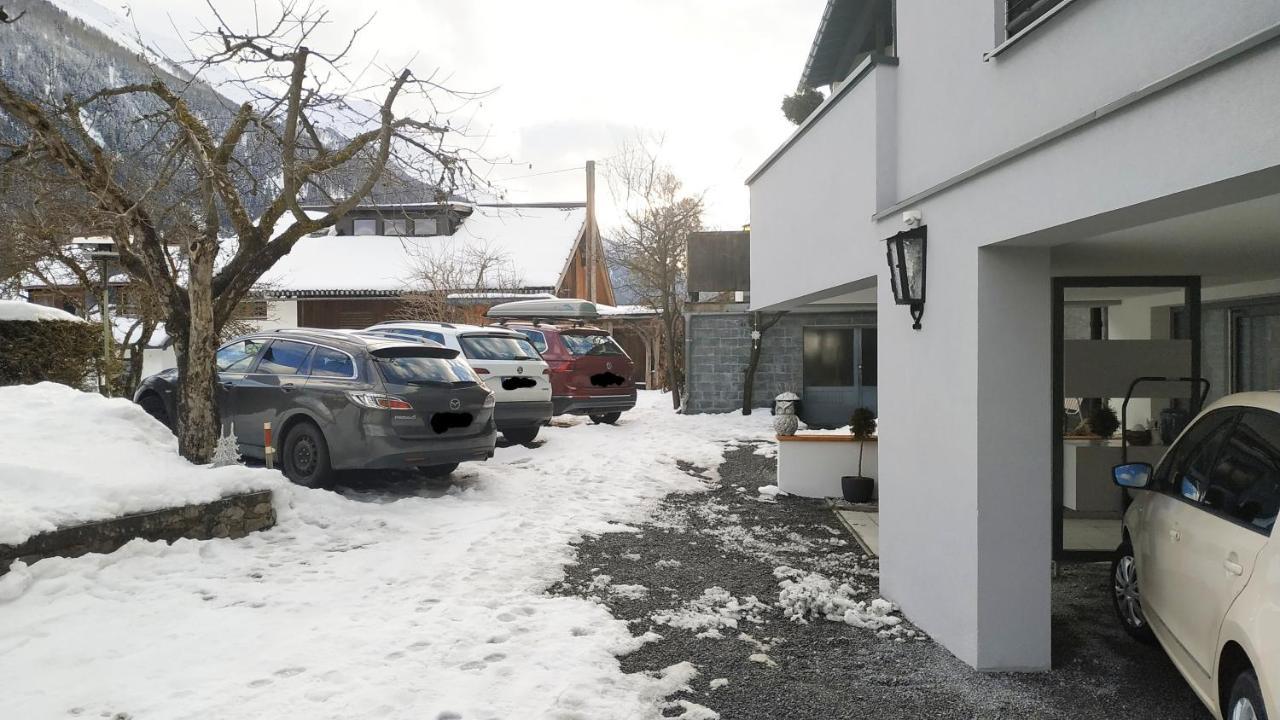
497	347
407	368
590	344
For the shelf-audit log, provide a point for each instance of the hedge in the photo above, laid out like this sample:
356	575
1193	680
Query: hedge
58	350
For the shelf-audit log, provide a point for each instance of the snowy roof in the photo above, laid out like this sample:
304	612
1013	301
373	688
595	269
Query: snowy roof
624	310
534	241
23	310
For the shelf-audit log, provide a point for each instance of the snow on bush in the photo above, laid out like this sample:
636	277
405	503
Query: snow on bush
809	596
717	609
25	311
69	457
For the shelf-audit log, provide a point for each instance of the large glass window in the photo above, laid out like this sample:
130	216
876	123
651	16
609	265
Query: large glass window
828	357
424	226
490	347
238	356
398	226
365	226
1245	483
283	358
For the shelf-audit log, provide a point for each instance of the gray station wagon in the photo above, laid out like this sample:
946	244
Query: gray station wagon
339	400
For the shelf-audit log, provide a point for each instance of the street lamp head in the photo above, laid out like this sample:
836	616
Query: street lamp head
906	257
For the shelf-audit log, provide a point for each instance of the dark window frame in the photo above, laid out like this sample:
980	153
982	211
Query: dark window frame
1019	14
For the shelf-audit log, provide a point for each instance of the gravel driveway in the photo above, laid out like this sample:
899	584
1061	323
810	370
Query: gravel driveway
708	562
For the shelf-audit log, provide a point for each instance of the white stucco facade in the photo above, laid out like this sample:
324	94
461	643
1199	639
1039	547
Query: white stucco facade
1119	138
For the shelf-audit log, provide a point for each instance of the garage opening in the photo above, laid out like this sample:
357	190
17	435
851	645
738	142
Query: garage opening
1112	336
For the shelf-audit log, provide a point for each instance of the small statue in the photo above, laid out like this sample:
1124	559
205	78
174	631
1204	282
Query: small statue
786	422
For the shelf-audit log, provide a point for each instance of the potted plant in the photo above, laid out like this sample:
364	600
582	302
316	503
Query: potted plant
1103	421
857	488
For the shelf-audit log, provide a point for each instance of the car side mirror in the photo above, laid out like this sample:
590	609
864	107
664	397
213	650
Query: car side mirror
1134	476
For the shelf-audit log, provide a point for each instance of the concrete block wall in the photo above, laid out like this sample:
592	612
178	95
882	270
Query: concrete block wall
718	347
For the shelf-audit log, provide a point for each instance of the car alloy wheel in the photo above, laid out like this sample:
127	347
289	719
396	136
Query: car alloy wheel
1243	710
1126	597
1128	600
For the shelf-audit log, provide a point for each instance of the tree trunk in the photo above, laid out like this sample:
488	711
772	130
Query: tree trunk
198	424
757	344
669	353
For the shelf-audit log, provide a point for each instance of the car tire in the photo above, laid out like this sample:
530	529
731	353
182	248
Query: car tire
438	471
1246	701
305	457
154	406
521	436
1125	598
606	418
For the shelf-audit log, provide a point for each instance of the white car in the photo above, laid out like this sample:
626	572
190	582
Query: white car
505	359
1197	543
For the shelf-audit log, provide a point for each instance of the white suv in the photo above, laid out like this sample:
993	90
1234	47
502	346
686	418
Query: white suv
507	362
1197	543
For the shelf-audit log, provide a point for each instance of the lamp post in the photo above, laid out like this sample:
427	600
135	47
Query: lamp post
906	256
104	251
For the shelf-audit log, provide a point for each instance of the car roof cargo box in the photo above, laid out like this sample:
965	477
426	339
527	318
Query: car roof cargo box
545	309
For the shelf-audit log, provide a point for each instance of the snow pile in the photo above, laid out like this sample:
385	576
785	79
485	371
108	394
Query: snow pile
21	310
412	604
810	596
69	457
717	609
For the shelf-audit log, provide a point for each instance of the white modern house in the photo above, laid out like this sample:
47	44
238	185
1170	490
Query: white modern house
1097	184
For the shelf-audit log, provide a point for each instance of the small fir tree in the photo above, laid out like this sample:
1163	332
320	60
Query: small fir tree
862	425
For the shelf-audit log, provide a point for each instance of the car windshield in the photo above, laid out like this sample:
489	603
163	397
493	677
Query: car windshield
497	347
412	370
590	344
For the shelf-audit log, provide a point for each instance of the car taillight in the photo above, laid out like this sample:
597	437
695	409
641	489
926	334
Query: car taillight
560	365
374	401
481	371
490	400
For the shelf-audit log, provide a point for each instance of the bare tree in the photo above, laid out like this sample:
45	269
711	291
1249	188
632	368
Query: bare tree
184	193
760	324
650	243
447	277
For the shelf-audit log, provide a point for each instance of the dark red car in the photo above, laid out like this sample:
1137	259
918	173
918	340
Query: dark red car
590	373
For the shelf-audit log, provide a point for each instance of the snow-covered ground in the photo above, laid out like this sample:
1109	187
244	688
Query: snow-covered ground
370	605
69	457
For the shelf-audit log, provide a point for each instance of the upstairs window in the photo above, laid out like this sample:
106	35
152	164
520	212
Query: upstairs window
424	226
1018	14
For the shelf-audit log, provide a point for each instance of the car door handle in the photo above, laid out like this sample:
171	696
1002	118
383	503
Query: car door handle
287	387
1233	567
1175	535
228	384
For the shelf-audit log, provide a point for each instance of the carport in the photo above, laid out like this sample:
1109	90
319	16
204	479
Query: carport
1191	292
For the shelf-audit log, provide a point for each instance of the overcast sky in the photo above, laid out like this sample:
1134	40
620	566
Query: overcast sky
574	78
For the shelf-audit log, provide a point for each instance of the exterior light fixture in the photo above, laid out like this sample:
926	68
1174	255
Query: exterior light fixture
906	256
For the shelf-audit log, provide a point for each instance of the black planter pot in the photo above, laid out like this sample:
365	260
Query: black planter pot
857	489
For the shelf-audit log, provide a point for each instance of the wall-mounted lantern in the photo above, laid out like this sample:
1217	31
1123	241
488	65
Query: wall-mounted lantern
906	256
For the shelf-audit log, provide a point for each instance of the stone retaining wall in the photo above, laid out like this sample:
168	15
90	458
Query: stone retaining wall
233	516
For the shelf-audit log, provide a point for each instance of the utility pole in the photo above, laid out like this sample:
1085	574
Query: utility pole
591	231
